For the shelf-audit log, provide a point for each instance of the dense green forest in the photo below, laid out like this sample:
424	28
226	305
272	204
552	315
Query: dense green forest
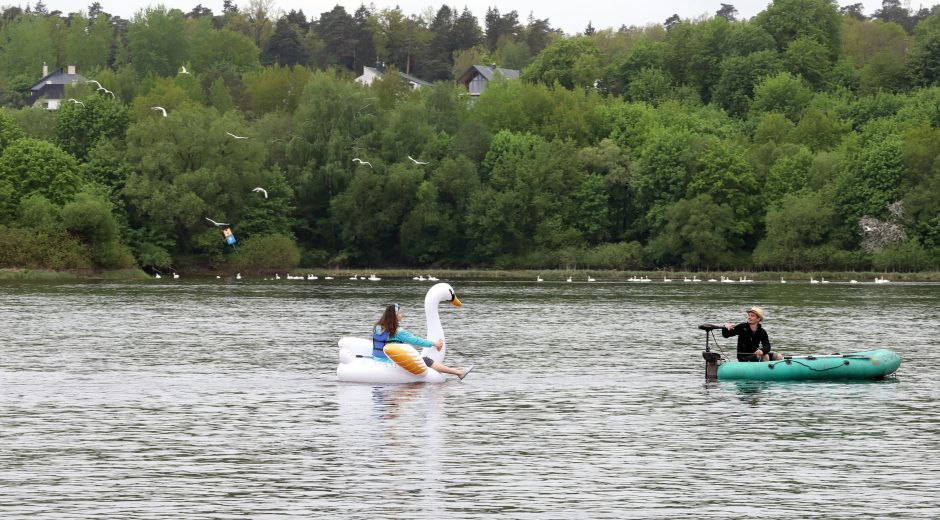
804	138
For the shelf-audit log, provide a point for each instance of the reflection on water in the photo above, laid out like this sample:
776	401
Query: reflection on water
202	399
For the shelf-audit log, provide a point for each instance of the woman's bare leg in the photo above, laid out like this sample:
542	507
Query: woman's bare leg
441	367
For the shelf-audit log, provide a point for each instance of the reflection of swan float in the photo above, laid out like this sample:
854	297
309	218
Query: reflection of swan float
355	354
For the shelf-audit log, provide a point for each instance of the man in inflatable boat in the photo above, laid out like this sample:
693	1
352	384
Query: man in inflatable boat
386	333
753	342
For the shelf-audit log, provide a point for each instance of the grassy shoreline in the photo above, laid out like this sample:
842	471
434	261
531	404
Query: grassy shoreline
548	275
69	275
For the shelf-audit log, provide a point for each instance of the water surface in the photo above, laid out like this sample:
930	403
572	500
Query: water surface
218	398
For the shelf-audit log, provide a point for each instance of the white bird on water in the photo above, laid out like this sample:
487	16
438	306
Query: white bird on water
220	224
236	136
77	102
360	161
415	160
262	191
161	109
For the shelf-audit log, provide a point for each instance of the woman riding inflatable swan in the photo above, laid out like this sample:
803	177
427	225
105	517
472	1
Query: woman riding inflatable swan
389	357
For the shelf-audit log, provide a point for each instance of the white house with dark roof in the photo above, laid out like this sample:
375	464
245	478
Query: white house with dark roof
370	74
478	77
49	91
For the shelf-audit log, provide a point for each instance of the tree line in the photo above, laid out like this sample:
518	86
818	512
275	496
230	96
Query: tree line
804	138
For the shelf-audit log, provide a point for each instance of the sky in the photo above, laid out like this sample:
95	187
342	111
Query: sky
568	15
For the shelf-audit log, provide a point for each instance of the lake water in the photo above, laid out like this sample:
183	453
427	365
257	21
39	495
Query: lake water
218	398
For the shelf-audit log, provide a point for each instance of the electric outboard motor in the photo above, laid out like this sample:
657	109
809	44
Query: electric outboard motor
712	359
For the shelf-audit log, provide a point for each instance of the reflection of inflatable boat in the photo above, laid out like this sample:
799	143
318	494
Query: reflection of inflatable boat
855	366
355	354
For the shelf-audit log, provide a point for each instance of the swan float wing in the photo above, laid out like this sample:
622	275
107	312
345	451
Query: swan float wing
407	357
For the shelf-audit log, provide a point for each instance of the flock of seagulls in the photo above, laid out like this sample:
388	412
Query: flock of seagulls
695	278
367	163
163	112
311	277
432	278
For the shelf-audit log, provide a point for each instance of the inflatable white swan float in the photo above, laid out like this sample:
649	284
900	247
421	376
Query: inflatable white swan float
355	354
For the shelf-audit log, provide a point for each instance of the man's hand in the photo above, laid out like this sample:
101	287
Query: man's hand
439	344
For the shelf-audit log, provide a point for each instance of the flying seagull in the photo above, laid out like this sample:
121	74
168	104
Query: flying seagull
96	83
262	191
161	109
220	224
77	102
106	91
236	136
183	69
360	161
415	160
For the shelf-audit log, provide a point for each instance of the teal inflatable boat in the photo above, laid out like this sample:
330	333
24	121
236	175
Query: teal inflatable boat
855	366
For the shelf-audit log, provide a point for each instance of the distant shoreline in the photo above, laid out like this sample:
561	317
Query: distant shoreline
547	275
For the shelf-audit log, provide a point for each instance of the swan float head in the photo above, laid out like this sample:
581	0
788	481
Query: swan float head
438	293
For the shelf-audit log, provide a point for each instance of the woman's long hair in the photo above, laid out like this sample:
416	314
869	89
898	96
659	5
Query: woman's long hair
389	319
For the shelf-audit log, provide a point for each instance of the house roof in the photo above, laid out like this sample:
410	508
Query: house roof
413	79
487	72
380	72
58	77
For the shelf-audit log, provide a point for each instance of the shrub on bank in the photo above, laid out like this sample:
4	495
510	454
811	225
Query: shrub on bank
267	252
615	256
909	256
29	248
